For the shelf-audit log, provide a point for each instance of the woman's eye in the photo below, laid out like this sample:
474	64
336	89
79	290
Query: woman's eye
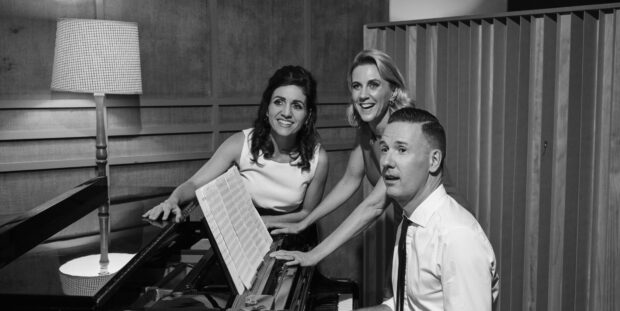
298	106
383	149
402	150
373	85
278	101
356	86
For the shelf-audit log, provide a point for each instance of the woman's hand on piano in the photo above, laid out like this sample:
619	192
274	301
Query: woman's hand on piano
286	228
164	209
303	259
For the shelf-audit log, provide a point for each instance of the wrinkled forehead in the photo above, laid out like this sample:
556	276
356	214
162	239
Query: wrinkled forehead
404	133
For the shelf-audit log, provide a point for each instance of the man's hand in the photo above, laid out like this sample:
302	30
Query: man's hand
295	258
164	209
285	228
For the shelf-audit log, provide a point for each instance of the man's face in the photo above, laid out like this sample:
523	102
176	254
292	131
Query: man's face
405	160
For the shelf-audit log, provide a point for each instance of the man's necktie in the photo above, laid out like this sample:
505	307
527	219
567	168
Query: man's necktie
402	264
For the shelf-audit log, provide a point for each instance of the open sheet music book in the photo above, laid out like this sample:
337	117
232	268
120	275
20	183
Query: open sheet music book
239	233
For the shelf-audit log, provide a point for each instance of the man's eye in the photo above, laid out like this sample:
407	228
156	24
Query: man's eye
402	150
383	149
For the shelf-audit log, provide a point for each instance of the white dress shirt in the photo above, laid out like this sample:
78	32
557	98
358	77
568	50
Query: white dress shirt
450	261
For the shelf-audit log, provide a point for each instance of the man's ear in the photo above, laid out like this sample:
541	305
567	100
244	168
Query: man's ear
435	159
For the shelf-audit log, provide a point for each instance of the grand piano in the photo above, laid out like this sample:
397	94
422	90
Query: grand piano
173	266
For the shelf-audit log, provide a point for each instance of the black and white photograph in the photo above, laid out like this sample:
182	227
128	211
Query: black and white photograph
310	155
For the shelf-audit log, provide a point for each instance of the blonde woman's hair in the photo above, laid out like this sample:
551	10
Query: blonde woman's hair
387	71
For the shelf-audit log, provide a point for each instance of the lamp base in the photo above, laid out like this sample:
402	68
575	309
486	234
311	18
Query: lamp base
84	276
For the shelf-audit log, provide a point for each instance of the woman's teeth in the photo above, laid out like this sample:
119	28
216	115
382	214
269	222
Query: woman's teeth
285	123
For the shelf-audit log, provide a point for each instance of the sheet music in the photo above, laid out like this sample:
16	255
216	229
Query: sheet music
240	234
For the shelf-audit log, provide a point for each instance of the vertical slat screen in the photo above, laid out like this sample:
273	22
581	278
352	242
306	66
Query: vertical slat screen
531	105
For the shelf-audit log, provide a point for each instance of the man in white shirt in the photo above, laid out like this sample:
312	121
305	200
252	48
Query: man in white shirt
449	263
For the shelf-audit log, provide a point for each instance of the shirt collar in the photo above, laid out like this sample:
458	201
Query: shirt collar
422	214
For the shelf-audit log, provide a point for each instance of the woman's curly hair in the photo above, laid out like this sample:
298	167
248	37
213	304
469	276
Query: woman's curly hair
307	137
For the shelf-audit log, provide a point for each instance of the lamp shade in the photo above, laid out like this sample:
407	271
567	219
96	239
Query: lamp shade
97	56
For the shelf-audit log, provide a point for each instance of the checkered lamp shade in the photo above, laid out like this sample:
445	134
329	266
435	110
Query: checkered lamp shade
97	56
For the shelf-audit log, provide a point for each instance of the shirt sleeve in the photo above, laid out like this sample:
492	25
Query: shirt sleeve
467	266
389	302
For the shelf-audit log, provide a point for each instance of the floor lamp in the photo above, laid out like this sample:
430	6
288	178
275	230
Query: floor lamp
99	57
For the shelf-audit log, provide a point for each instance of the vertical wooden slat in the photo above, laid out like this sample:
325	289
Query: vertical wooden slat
497	128
473	132
558	168
389	40
532	207
462	107
371	37
546	160
584	215
414	42
400	51
602	278
614	178
483	210
520	169
509	156
448	114
431	74
441	71
573	155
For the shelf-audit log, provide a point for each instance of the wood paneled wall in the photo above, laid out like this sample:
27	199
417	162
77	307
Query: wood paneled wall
204	67
531	105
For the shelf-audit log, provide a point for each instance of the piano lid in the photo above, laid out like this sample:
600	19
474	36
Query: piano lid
34	247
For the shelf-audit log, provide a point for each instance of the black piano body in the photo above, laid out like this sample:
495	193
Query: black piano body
166	270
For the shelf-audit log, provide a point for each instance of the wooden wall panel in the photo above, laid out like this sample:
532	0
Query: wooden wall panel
242	26
45	150
149	145
37	184
174	44
45	120
156	117
345	261
333	48
29	26
336	38
241	116
530	101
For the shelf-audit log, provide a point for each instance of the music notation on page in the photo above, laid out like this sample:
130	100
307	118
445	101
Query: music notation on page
239	233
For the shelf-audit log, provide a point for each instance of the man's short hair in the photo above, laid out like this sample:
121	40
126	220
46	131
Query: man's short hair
431	128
